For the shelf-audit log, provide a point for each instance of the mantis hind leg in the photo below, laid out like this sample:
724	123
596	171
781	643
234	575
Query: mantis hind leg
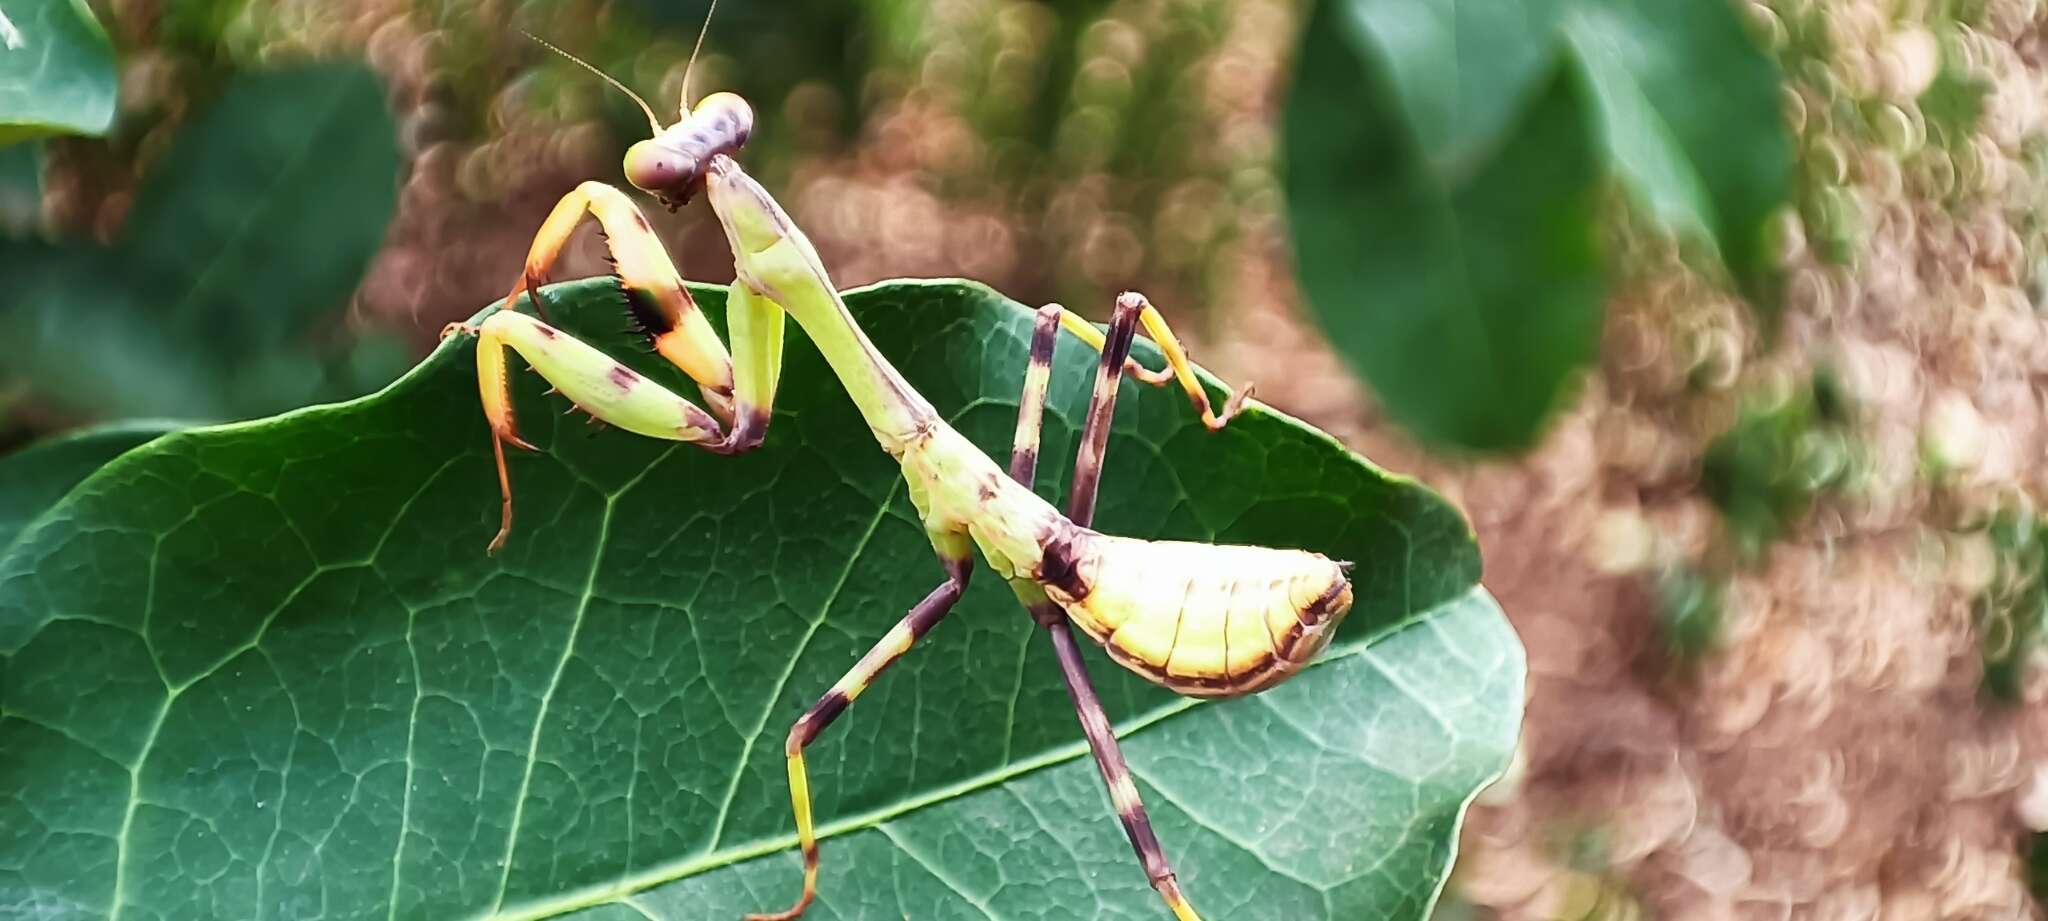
1178	367
1109	756
914	625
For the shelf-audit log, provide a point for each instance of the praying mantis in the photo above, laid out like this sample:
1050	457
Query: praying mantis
1203	620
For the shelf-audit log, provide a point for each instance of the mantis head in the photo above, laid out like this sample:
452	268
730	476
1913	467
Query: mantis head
672	165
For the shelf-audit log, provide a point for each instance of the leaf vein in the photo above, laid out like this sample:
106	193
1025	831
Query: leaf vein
932	867
540	715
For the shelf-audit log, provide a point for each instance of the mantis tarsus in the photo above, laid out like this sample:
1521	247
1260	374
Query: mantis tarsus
1201	619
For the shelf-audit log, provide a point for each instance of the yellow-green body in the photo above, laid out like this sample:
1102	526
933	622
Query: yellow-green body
1206	620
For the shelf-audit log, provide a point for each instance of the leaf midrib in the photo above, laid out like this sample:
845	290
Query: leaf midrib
1441	182
1577	24
661	874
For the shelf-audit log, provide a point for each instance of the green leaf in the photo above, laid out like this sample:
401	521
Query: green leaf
1459	72
1466	298
267	670
1954	102
34	478
1690	110
269	207
21	189
1442	159
56	70
200	27
255	225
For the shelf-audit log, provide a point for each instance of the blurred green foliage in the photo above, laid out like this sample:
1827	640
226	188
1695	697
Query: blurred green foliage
2013	608
201	28
1443	167
1689	109
1098	136
243	239
809	40
21	188
646	44
1954	103
1447	166
1763	473
56	70
1923	128
1096	131
2035	869
1689	612
1467	298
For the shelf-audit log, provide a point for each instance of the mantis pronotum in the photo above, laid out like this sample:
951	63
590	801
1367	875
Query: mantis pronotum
1201	619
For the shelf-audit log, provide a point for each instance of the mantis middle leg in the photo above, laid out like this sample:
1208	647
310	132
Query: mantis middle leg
1109	756
953	554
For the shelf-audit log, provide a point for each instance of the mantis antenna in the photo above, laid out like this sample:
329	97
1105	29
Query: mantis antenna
652	122
692	63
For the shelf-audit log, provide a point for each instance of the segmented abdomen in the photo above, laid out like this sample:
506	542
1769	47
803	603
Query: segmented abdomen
1205	620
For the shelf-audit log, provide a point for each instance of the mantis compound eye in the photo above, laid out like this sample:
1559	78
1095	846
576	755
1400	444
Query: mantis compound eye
727	122
661	170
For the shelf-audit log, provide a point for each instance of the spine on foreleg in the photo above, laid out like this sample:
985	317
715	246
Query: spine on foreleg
1205	620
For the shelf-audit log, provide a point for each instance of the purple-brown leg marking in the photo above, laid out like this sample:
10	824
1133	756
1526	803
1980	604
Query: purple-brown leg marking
1109	757
809	726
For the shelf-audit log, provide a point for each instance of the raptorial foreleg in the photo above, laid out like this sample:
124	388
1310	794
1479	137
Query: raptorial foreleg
593	381
655	295
738	387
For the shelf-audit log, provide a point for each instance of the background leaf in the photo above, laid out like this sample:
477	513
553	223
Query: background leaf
1443	161
1459	72
34	478
267	670
21	188
257	222
1466	298
56	70
1690	113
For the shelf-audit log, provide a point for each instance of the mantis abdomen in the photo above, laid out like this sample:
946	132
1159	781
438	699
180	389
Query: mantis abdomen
1204	620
